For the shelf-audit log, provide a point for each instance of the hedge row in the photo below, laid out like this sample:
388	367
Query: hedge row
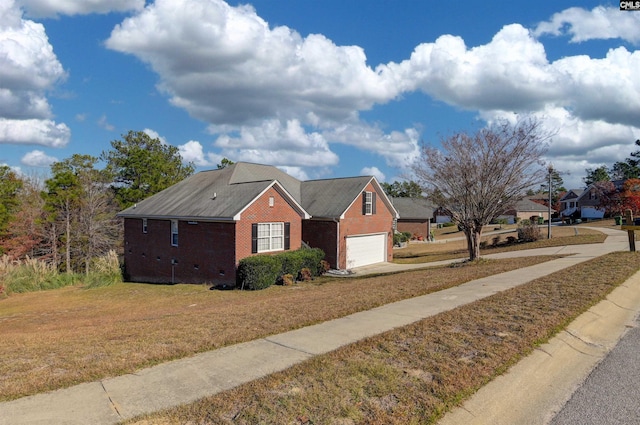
262	271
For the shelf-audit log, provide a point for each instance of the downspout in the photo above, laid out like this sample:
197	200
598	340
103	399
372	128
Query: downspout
337	243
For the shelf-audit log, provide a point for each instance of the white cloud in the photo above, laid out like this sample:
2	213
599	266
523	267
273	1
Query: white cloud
154	135
28	68
53	8
103	123
192	151
28	61
273	96
277	143
599	23
373	171
397	148
38	159
482	77
225	65
34	132
602	89
579	144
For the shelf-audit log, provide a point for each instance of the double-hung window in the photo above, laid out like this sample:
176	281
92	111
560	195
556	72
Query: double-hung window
270	237
368	203
174	232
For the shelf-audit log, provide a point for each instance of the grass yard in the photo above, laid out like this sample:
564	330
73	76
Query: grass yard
414	374
454	248
58	338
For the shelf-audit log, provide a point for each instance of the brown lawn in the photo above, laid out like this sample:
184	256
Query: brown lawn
58	338
414	374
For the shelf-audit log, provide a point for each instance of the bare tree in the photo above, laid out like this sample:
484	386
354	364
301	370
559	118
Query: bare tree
476	177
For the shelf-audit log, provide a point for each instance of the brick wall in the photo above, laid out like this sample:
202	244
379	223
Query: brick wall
207	252
204	253
355	223
415	227
322	234
260	212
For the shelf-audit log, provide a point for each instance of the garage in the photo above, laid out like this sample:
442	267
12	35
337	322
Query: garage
366	249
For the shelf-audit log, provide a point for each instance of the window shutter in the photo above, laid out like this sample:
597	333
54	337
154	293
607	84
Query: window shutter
287	237
373	203
254	238
364	203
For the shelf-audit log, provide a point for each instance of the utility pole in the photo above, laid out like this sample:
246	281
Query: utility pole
550	169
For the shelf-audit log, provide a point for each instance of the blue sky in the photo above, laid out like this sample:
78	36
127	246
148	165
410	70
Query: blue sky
319	88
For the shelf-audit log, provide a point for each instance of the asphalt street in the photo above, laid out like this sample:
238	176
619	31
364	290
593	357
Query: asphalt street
611	393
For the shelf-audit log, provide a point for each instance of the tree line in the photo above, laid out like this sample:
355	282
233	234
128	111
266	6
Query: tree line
618	186
69	219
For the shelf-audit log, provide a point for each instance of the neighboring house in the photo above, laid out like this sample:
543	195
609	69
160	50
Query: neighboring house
414	216
199	229
526	209
569	202
585	203
441	215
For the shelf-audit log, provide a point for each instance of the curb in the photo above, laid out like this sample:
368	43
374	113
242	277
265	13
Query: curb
536	388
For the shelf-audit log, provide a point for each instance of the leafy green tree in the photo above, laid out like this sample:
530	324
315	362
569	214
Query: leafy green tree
62	195
25	233
81	211
141	166
405	189
10	186
624	170
225	163
600	174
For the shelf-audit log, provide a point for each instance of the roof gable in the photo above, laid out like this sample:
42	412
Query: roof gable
331	198
216	194
223	194
572	194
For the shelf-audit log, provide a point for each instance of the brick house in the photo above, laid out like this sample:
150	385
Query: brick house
526	209
585	203
198	230
414	216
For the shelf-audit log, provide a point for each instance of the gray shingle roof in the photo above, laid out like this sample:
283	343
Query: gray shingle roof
194	197
413	208
525	204
330	198
237	185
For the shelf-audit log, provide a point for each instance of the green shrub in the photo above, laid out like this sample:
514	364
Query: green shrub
312	260
291	262
258	272
400	237
262	271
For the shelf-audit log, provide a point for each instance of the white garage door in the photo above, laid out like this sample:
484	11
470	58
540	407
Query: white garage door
369	249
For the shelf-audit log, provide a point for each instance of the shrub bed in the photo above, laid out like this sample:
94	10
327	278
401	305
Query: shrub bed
262	271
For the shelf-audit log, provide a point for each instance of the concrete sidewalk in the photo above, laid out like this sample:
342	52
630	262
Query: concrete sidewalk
186	380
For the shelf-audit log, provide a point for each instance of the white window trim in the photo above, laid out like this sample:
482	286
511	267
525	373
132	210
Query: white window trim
270	237
174	232
145	227
368	204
